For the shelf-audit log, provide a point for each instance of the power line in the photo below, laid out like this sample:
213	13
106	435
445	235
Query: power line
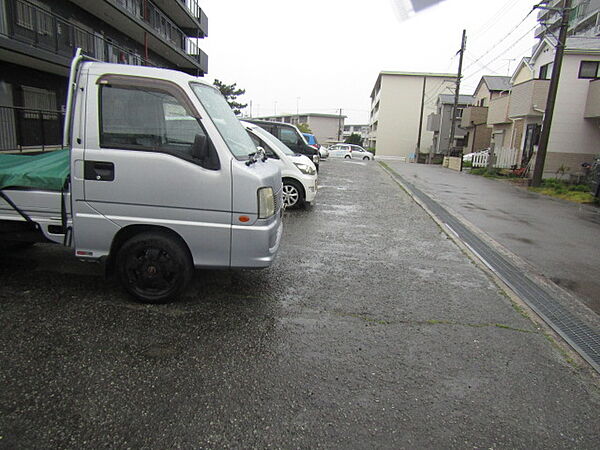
503	53
494	19
493	47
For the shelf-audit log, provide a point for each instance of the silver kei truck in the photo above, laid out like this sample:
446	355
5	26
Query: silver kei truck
159	177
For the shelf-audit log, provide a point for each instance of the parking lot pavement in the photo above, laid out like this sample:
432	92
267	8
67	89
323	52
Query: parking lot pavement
371	330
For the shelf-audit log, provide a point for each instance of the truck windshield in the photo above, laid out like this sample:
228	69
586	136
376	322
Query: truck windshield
229	126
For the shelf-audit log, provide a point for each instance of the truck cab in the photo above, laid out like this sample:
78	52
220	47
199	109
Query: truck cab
163	178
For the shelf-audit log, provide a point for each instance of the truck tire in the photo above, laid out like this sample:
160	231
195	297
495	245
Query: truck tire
154	267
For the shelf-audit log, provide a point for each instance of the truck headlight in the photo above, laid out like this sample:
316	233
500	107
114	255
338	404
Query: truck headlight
266	202
306	169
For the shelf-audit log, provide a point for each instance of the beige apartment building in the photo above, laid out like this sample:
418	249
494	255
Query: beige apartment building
400	104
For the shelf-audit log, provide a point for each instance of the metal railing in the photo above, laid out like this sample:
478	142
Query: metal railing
25	129
150	14
32	25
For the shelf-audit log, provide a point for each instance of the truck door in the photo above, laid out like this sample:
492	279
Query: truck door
141	167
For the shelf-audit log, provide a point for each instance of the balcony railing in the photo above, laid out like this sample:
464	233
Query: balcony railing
30	129
150	14
474	115
42	29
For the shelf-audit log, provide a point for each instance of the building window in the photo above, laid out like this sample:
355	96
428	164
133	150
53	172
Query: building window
545	71
589	69
459	113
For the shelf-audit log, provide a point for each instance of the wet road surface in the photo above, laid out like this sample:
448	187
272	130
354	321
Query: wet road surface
559	239
372	329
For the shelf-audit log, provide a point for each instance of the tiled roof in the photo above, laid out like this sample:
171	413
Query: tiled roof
497	83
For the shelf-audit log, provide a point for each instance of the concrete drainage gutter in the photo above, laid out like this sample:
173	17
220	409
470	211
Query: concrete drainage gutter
581	336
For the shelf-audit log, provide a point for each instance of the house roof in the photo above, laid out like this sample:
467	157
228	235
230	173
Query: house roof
575	44
452	76
497	83
462	99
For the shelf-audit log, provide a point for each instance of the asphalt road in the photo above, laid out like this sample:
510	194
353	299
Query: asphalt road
372	330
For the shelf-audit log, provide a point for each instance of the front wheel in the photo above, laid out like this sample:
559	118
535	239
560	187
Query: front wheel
366	158
347	157
293	194
154	267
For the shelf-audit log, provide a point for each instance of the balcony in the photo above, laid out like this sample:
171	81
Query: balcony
144	22
474	115
592	106
187	14
528	99
433	122
498	110
44	41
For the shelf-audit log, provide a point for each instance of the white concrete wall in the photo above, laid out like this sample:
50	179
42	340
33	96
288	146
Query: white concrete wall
399	113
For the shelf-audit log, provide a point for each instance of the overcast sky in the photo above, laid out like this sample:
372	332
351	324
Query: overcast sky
322	55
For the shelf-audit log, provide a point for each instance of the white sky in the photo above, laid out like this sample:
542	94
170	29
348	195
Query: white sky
322	55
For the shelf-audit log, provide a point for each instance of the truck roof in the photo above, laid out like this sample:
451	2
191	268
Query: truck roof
98	68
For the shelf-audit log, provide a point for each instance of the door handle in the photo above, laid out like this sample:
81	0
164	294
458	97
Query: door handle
99	171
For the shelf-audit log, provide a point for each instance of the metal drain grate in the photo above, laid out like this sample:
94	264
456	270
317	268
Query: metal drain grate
584	339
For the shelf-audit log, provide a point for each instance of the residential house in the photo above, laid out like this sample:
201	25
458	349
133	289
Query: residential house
575	130
440	123
399	108
327	128
38	39
475	117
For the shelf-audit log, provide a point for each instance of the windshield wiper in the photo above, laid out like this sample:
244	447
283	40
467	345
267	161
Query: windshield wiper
259	154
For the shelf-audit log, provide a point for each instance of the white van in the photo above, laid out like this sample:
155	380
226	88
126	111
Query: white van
299	174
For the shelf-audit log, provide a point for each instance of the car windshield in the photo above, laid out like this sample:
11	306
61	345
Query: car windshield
229	126
272	140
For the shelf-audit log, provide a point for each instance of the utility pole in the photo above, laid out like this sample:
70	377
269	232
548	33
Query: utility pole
340	127
540	159
418	149
456	93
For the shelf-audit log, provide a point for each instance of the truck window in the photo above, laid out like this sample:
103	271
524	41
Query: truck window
146	119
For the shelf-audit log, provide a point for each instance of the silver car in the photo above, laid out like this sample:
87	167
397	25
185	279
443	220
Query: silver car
350	151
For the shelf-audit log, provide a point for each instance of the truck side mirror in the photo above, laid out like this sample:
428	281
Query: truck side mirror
200	147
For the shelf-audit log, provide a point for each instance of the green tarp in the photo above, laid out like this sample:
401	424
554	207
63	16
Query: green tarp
47	171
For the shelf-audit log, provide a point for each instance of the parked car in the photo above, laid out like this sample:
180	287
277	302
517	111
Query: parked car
291	136
299	174
312	140
350	151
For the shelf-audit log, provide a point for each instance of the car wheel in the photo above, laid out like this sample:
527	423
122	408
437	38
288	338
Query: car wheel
154	267
293	194
347	157
366	158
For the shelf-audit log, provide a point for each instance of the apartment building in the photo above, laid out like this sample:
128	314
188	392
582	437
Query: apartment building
38	39
327	128
400	104
362	130
583	21
440	123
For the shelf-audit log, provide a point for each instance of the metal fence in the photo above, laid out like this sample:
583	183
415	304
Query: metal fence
24	129
32	25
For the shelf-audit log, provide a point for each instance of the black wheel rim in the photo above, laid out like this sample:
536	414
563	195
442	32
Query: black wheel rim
151	272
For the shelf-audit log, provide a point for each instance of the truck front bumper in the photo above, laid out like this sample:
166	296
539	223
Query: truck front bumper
256	246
